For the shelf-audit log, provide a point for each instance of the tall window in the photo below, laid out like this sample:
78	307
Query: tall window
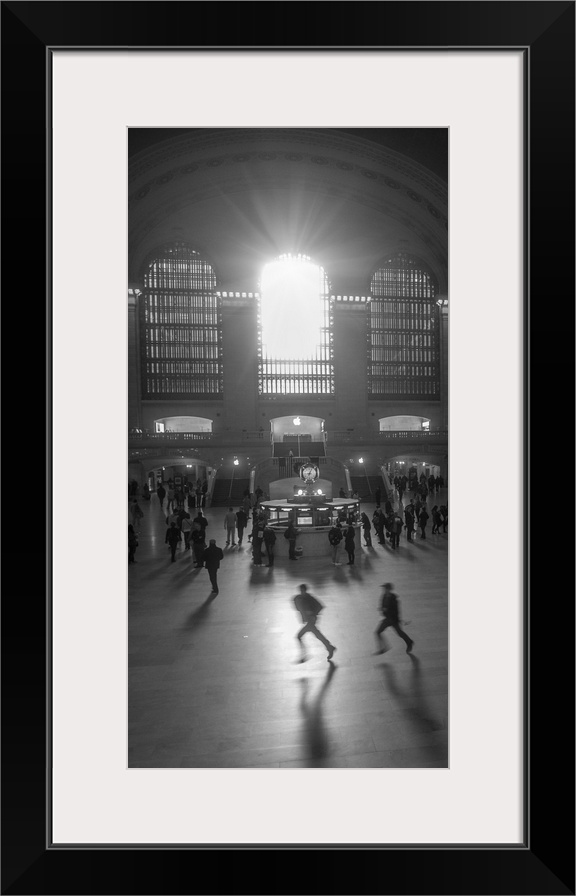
403	332
295	333
181	328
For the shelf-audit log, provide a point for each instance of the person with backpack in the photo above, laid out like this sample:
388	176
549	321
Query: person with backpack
391	613
335	539
269	542
309	608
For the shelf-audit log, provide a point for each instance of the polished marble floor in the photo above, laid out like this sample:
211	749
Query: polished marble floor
216	682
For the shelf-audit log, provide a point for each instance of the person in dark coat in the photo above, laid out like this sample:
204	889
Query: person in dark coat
212	557
378	496
269	542
258	540
241	522
436	520
378	520
161	492
366	530
350	544
409	519
444	516
334	539
423	518
132	543
309	607
391	613
395	530
198	540
291	534
173	536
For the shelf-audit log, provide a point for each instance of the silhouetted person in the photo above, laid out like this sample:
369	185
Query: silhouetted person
161	492
212	557
422	520
409	518
342	493
350	544
291	535
366	529
378	496
132	543
198	539
230	526
269	542
309	608
241	523
335	538
173	536
391	614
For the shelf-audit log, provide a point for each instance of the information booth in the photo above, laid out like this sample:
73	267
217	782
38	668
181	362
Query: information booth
313	516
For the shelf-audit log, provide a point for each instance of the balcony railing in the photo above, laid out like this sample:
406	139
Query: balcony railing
236	437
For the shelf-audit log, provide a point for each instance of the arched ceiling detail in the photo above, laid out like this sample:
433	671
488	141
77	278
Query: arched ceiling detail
245	196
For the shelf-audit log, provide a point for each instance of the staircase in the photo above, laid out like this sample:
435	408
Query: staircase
221	496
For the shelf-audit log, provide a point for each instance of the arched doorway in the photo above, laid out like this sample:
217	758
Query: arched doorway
183	424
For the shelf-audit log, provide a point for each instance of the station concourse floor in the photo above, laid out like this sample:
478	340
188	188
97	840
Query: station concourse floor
216	682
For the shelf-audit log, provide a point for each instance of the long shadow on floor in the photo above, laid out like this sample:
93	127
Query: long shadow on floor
317	740
199	616
412	701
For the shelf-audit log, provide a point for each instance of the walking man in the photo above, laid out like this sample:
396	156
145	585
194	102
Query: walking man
230	526
161	492
269	542
241	523
173	537
212	557
309	607
391	614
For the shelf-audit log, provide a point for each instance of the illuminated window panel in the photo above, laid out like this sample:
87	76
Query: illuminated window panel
295	341
181	327
403	332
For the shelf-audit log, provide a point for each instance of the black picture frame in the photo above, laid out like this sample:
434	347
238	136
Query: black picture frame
544	863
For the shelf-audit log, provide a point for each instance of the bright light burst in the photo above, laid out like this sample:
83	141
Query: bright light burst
292	308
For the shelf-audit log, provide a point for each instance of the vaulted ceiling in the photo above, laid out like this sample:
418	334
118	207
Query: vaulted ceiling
242	197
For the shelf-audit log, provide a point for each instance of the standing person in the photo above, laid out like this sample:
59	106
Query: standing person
432	483
436	520
395	530
335	539
170	498
198	493
173	537
309	608
342	493
350	543
136	513
246	504
202	522
378	520
258	540
241	523
444	516
422	520
366	529
161	492
254	524
186	527
132	543
409	518
212	557
173	517
378	496
230	526
291	534
269	541
391	613
198	539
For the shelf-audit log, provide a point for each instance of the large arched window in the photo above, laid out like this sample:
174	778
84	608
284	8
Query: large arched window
295	342
403	332
181	328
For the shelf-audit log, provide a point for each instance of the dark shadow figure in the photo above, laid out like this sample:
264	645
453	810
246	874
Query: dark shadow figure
413	704
199	616
317	741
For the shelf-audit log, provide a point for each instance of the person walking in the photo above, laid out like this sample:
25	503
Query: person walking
291	534
436	520
212	557
378	521
269	542
258	540
186	528
132	543
170	501
391	612
366	529
350	543
309	608
444	516
409	519
423	518
173	537
395	530
335	538
241	523
230	526
161	492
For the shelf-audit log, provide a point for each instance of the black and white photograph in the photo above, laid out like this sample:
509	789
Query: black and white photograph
288	477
